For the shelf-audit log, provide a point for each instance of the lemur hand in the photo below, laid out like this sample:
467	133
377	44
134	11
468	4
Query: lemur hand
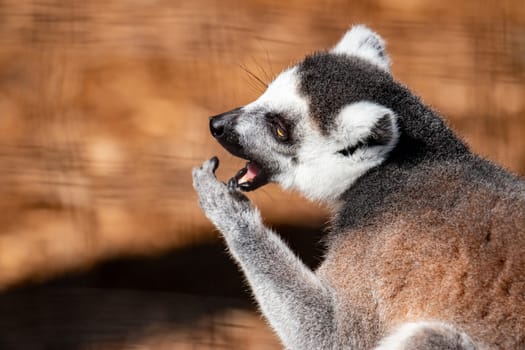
224	205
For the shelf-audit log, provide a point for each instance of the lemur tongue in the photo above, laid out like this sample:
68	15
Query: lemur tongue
249	178
252	170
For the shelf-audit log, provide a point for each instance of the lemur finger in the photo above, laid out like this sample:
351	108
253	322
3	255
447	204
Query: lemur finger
211	165
232	184
233	187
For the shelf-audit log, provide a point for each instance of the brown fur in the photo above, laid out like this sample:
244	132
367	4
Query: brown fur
465	265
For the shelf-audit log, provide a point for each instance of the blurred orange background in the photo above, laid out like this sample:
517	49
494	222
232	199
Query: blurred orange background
104	109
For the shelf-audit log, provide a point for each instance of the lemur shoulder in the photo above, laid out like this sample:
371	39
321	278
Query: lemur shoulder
426	247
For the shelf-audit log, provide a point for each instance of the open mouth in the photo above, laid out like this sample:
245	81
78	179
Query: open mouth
249	178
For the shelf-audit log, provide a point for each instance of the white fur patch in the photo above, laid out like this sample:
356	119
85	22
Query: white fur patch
362	42
322	173
399	339
282	95
354	123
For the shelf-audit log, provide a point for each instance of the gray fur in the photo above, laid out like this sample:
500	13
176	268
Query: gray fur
431	339
425	233
385	188
331	81
427	336
283	285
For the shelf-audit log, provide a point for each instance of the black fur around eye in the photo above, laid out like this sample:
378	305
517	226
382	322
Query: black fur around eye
272	116
278	127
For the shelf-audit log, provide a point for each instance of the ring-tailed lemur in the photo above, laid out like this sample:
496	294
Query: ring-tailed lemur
427	242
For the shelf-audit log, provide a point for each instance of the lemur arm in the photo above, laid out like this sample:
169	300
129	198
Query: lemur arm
294	300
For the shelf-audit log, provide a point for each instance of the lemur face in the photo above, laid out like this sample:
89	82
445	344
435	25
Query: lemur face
320	125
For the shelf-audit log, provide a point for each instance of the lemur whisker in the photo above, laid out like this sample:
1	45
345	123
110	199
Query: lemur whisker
253	75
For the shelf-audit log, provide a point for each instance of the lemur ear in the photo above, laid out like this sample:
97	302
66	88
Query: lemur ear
362	42
365	125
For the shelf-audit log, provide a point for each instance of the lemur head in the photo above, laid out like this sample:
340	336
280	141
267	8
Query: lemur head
320	125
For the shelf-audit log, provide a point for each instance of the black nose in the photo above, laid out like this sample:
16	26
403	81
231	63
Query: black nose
221	125
217	126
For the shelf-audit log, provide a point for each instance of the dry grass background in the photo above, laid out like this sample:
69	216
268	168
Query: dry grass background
104	108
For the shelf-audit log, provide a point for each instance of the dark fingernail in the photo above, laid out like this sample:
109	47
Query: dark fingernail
232	184
215	163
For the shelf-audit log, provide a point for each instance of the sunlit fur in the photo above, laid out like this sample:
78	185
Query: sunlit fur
362	42
321	172
426	335
425	247
318	171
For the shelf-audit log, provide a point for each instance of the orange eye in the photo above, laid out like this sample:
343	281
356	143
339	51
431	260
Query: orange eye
280	132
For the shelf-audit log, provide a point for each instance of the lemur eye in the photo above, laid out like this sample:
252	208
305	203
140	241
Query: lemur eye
281	133
278	127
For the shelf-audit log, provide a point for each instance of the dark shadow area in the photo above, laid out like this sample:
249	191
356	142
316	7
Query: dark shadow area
79	318
120	299
205	269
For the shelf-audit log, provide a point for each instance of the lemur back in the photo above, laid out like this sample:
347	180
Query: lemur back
426	245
